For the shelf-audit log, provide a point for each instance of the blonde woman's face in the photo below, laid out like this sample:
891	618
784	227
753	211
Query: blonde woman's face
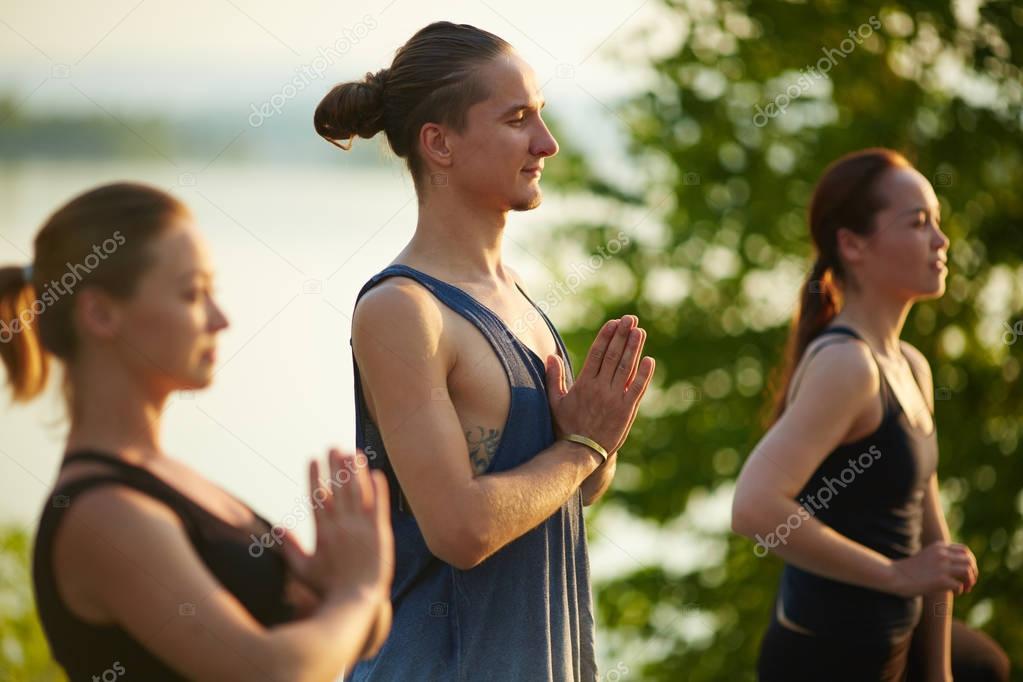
169	327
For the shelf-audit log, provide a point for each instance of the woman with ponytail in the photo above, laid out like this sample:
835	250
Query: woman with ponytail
143	569
843	485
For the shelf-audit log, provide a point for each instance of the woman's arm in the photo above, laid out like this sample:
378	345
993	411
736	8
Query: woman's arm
838	384
935	628
143	574
936	620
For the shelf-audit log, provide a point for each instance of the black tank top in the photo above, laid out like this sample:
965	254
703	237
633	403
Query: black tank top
871	491
256	577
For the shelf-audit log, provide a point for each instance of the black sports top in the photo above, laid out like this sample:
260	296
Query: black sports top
85	650
871	491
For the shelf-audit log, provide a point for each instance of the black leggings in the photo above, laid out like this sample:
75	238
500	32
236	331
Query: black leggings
788	656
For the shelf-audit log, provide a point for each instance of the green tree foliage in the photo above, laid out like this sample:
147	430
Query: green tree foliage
721	245
24	653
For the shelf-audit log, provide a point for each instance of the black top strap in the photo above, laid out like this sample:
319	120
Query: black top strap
144	480
920	387
128	475
102	457
886	401
841	329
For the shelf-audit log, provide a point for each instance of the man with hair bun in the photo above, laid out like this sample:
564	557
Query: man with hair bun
491	450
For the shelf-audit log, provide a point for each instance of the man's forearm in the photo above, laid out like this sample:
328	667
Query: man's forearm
597	483
511	503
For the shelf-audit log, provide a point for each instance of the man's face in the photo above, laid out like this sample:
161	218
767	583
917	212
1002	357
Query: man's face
498	157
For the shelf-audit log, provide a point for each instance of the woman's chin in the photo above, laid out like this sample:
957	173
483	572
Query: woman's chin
936	291
201	379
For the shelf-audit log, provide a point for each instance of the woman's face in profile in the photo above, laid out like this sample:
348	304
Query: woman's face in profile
168	328
907	249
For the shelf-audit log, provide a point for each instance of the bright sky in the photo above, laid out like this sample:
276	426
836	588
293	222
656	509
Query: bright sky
187	54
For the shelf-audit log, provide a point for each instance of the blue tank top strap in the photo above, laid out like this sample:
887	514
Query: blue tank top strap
490	325
562	351
520	363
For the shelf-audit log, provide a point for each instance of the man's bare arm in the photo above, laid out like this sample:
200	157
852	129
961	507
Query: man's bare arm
597	483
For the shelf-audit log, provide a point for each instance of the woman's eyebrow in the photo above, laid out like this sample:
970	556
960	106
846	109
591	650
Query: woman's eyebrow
192	274
923	209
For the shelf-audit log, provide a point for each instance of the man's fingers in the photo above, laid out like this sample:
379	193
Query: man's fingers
634	394
639	356
555	379
616	348
591	365
644	373
630	358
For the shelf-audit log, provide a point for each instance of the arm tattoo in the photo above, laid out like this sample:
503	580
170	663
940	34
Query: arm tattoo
483	444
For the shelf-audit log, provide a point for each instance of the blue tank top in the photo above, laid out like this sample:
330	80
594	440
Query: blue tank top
526	612
871	491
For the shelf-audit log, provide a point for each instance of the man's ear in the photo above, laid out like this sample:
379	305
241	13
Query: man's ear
435	145
96	314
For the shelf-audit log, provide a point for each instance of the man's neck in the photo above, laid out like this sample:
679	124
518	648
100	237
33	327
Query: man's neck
458	242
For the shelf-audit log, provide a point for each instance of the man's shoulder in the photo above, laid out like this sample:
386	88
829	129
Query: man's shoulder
396	290
400	309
